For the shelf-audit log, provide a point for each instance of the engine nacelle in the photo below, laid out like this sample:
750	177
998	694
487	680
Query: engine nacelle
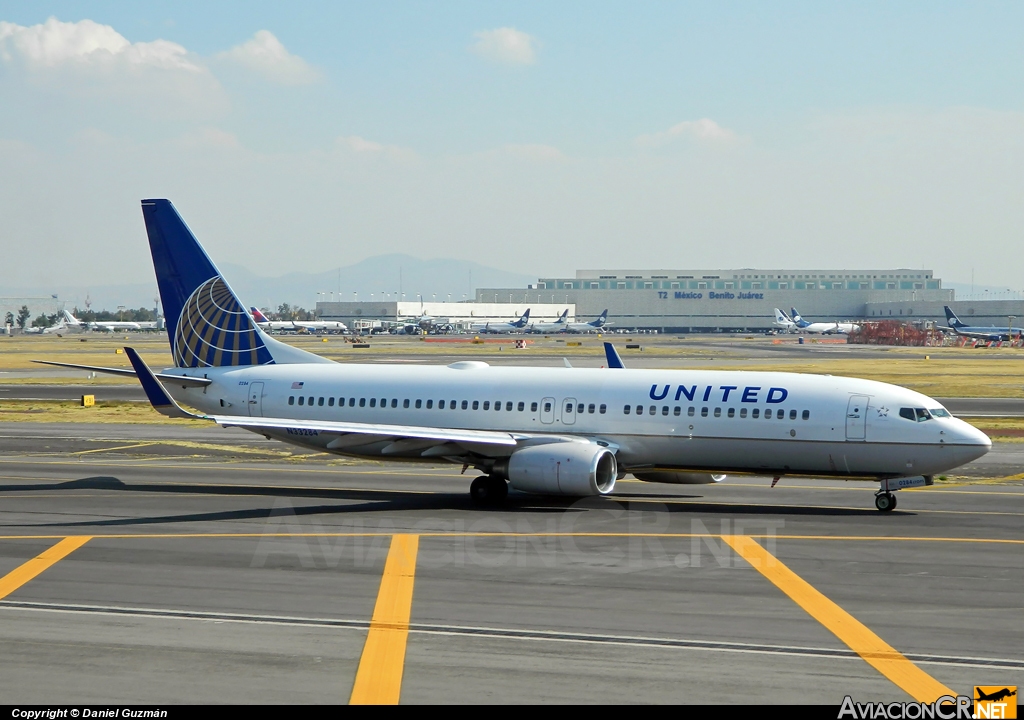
563	468
678	478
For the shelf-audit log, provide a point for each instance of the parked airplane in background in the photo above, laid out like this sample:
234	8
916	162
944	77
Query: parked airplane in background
322	326
782	322
833	328
423	323
550	431
268	325
111	325
592	326
60	327
500	328
551	328
992	333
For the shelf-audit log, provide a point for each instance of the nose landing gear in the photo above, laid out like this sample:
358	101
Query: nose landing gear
885	501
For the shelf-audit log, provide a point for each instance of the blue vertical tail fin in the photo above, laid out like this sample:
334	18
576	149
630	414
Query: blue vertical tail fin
951	317
206	324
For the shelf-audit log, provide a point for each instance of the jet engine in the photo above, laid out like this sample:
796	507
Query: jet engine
678	478
564	468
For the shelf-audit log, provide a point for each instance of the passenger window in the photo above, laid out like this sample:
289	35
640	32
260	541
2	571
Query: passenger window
690	412
754	413
533	407
732	412
508	406
908	413
792	414
362	402
664	409
330	402
654	410
351	402
743	412
625	410
639	409
405	403
320	402
310	401
547	407
568	407
476	404
521	406
677	411
383	402
419	404
291	400
302	400
718	412
579	408
452	404
602	409
373	402
394	402
497	404
430	404
768	414
465	404
440	404
704	412
591	408
487	404
807	414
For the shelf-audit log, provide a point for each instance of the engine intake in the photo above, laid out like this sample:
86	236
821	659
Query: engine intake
565	468
678	478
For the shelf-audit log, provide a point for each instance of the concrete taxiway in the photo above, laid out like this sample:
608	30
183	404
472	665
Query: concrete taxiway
158	564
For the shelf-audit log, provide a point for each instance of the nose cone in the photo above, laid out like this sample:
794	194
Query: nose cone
971	443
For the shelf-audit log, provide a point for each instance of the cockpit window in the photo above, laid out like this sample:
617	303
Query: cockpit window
940	412
916	414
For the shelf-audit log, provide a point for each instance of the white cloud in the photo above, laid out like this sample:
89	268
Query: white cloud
506	46
362	146
704	130
264	54
87	44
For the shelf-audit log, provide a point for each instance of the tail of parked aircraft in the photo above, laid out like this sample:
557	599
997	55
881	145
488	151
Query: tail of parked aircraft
522	322
951	318
70	319
781	318
206	324
601	320
563	317
800	322
257	315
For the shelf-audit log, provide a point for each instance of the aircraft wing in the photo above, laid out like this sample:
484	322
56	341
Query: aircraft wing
370	432
183	380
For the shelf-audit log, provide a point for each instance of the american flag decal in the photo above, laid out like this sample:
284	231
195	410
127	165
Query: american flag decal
296	386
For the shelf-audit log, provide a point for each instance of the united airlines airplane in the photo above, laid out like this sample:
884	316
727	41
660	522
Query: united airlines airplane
551	431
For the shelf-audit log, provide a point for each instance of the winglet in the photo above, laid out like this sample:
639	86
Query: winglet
157	394
614	361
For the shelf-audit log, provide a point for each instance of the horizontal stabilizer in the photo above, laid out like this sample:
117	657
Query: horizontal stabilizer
183	380
157	394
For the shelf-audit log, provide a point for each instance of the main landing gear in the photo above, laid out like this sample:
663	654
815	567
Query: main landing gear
488	490
885	501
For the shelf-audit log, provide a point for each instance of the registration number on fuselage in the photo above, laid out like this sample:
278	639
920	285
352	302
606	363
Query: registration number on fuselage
302	431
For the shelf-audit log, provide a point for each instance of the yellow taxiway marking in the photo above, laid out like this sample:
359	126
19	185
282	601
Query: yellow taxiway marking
379	677
874	650
498	534
22	574
120	447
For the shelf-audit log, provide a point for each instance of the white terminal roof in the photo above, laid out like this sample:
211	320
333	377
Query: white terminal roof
753	274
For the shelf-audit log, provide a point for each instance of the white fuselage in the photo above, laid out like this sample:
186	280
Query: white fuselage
718	421
828	328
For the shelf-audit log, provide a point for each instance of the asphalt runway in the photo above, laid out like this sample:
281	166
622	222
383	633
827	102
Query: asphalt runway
149	564
963	407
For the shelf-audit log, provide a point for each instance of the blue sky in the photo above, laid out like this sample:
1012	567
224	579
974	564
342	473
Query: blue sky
703	134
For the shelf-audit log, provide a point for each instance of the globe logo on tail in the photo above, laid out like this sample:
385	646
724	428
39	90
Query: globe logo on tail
214	330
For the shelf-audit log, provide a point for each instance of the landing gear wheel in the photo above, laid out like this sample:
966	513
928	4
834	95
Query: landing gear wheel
885	502
488	490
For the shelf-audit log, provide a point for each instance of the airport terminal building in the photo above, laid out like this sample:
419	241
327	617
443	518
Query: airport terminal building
728	300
